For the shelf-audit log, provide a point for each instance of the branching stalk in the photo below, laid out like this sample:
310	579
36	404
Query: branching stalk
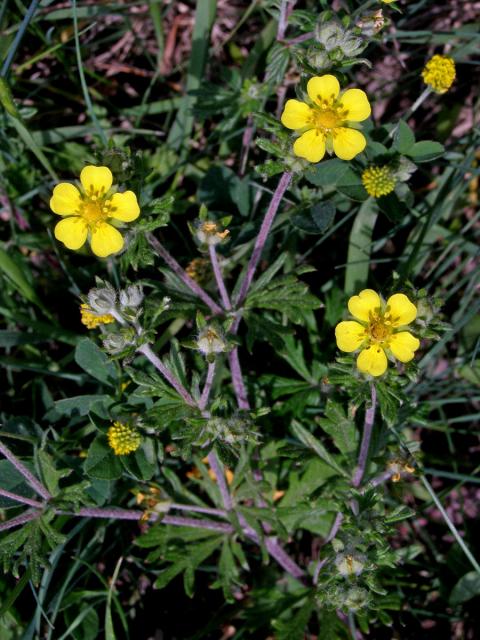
367	434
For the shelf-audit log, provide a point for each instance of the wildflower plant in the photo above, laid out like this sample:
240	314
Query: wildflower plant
242	393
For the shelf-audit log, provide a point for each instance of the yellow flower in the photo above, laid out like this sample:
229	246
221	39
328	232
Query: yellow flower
91	320
378	181
378	330
439	73
123	438
324	125
86	213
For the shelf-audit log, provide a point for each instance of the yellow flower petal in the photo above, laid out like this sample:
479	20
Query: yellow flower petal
347	143
72	232
65	199
106	240
310	145
349	335
365	304
125	206
356	105
403	345
96	180
323	90
296	115
372	360
399	310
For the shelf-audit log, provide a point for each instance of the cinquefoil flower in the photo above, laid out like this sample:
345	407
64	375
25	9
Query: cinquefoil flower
439	73
378	330
325	123
123	438
87	213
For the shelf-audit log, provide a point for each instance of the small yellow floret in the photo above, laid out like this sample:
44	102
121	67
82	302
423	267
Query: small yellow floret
123	438
378	181
91	320
439	73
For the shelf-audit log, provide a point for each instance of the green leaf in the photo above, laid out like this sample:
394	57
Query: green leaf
101	462
294	627
339	427
350	184
83	405
327	173
316	446
466	588
91	359
426	150
404	138
359	248
316	219
50	475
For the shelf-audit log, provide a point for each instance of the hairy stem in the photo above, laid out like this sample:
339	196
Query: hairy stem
208	385
21	468
367	434
22	519
217	272
263	235
166	373
22	499
237	380
217	469
184	277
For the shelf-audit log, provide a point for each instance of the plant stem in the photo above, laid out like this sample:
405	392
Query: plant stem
146	350
367	434
237	380
217	469
135	514
337	523
208	385
22	519
195	523
217	272
184	277
22	499
21	468
12	50
450	524
263	235
191	507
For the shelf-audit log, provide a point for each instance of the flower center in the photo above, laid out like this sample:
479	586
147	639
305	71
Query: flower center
379	332
94	212
326	119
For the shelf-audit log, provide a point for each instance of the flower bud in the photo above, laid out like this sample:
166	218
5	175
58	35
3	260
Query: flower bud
211	341
103	299
132	296
355	598
208	232
123	438
330	34
371	24
115	343
349	565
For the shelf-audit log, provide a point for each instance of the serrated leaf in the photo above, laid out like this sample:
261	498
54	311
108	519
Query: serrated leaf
91	359
339	427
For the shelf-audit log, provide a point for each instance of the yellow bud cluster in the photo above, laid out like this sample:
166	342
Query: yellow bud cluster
378	181
123	438
91	320
439	73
